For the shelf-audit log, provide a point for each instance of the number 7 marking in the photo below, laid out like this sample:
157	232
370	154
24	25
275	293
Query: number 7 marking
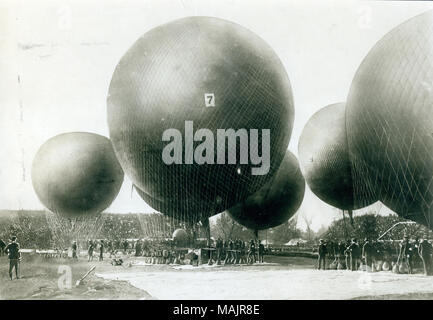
209	99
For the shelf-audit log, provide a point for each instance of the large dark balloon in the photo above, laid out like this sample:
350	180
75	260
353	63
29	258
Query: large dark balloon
390	120
169	76
324	158
276	201
186	210
76	174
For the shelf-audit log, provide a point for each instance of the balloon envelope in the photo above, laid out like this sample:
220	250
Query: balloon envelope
76	174
180	237
276	201
324	158
188	210
216	74
390	120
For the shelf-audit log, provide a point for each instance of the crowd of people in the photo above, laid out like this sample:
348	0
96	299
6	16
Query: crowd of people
236	251
371	255
166	251
351	255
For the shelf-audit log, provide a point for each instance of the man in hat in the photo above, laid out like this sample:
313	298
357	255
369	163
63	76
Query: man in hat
425	251
322	254
261	252
101	250
14	255
252	252
405	253
355	254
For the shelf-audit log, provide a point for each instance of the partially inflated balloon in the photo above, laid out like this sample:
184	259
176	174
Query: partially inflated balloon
180	237
324	158
76	174
276	201
390	120
179	84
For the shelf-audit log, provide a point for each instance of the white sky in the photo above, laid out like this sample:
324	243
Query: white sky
65	53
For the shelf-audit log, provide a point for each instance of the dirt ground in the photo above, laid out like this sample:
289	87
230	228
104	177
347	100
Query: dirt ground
39	279
279	278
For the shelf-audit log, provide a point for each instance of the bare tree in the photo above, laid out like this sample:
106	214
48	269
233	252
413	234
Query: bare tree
309	232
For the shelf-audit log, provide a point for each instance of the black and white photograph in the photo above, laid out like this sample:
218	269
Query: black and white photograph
216	150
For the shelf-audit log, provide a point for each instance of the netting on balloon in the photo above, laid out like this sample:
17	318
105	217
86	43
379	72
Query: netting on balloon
390	123
253	92
66	230
158	226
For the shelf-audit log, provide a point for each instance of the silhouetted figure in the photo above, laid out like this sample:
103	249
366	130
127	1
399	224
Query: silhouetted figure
355	255
252	252
232	253
347	255
138	249
367	253
74	250
14	255
261	252
243	253
236	248
425	251
405	253
101	251
226	249
322	251
125	245
219	248
90	250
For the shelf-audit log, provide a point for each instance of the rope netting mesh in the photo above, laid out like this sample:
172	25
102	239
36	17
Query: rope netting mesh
156	225
65	230
389	121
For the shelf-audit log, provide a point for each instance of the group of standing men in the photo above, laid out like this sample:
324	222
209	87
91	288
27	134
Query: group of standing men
348	255
238	251
93	245
369	252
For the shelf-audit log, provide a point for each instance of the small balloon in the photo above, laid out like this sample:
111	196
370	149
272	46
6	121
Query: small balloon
324	157
76	174
276	201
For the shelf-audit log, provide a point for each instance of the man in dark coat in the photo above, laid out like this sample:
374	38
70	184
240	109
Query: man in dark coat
261	252
101	250
14	255
322	251
74	250
355	255
252	252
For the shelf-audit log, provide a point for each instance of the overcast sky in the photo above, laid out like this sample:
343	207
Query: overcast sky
65	52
